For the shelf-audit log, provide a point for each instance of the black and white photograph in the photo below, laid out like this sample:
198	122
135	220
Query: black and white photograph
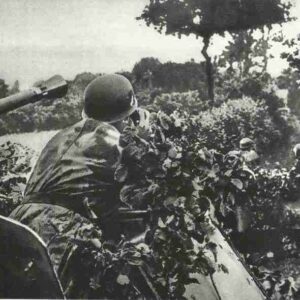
150	149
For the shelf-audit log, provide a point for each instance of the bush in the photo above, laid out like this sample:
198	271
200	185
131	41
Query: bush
15	165
223	127
166	171
190	102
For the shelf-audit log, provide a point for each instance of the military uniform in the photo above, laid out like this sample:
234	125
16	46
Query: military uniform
72	189
73	176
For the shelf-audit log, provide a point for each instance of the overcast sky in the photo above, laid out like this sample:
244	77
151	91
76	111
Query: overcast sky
40	38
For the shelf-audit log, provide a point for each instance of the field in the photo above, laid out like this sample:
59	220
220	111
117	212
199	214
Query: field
34	140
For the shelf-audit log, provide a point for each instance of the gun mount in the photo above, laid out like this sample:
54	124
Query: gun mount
54	87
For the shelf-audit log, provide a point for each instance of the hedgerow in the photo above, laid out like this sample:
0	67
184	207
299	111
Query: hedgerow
223	126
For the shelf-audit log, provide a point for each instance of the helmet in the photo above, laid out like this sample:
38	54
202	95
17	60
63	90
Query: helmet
246	143
141	118
109	98
232	156
296	150
284	112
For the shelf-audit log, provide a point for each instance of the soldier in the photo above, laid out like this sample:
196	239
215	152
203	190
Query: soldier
73	180
240	217
248	152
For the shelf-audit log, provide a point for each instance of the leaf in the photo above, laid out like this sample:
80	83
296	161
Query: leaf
223	268
192	280
161	224
164	120
228	173
222	209
144	248
196	186
121	173
172	153
167	164
159	234
231	198
213	248
202	155
237	183
169	219
126	193
131	152
123	279
246	169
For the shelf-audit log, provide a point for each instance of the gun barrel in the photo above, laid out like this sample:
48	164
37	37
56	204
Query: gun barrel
20	99
54	87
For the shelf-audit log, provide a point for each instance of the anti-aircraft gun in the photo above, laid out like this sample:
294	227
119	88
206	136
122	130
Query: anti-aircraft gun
53	88
26	270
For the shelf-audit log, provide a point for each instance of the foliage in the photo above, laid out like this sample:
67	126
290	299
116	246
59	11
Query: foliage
292	52
205	18
290	80
59	113
3	88
222	127
190	102
14	168
150	73
248	52
157	176
144	69
48	114
15	88
226	181
166	171
169	171
208	17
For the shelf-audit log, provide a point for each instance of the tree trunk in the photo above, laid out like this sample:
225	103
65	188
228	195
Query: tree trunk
208	68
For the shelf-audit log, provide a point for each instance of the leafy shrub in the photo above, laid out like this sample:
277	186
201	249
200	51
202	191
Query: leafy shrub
190	102
167	171
15	164
223	127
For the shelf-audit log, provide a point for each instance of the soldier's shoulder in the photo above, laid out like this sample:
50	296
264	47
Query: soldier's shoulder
75	128
103	131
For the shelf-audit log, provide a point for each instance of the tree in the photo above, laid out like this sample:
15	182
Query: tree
177	77
290	81
243	63
292	53
290	78
144	69
3	88
15	88
243	51
204	18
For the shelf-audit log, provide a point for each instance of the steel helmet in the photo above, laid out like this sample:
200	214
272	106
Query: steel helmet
109	98
246	144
